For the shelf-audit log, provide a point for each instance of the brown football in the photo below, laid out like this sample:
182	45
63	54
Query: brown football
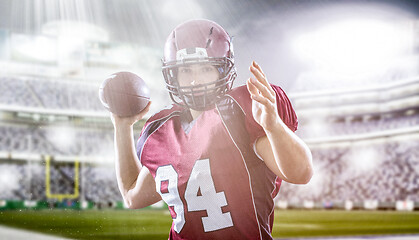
124	93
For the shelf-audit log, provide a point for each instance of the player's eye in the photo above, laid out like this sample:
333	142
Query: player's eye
207	69
185	70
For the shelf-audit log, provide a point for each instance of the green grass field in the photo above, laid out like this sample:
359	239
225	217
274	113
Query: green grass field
155	224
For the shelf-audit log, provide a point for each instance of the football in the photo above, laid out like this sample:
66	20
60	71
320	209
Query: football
124	94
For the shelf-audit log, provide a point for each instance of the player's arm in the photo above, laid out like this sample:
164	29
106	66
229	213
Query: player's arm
282	150
135	182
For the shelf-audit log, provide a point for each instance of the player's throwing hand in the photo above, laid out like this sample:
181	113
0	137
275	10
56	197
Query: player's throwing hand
129	121
264	107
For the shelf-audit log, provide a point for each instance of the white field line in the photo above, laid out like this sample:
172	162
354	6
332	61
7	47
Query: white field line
20	234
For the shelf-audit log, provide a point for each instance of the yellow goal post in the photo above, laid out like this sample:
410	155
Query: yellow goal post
61	196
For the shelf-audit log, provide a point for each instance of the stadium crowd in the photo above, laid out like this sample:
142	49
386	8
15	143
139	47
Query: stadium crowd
342	173
49	140
25	180
357	126
42	93
387	171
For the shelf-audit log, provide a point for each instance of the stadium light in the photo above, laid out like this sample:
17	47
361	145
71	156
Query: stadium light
74	29
69	45
38	47
318	127
9	180
354	46
364	159
62	137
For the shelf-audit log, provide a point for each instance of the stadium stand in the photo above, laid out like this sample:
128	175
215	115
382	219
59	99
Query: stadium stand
390	173
44	93
26	181
394	175
359	126
42	140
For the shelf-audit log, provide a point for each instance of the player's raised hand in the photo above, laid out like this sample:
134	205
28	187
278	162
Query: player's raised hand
128	121
264	108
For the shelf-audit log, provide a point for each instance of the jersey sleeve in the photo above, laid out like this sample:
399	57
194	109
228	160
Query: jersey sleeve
150	126
141	140
285	110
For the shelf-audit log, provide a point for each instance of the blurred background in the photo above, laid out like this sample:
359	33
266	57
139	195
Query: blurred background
350	68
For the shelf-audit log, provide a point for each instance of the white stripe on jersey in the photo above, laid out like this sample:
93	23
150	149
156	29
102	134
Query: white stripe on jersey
250	182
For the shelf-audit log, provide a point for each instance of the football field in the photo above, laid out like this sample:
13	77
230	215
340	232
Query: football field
155	224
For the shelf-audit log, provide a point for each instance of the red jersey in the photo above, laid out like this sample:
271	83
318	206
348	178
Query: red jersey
206	169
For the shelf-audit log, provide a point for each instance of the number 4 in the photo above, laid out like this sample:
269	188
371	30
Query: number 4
200	180
210	200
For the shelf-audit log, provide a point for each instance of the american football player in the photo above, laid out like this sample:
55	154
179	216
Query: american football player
218	155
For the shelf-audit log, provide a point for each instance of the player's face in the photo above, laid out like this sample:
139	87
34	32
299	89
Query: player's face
193	75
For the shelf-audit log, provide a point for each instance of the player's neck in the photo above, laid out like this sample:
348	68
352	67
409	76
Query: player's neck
195	114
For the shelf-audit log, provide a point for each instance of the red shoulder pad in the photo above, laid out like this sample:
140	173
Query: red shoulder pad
285	109
162	114
165	112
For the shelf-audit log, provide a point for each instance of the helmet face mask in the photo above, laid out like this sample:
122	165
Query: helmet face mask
195	43
200	96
